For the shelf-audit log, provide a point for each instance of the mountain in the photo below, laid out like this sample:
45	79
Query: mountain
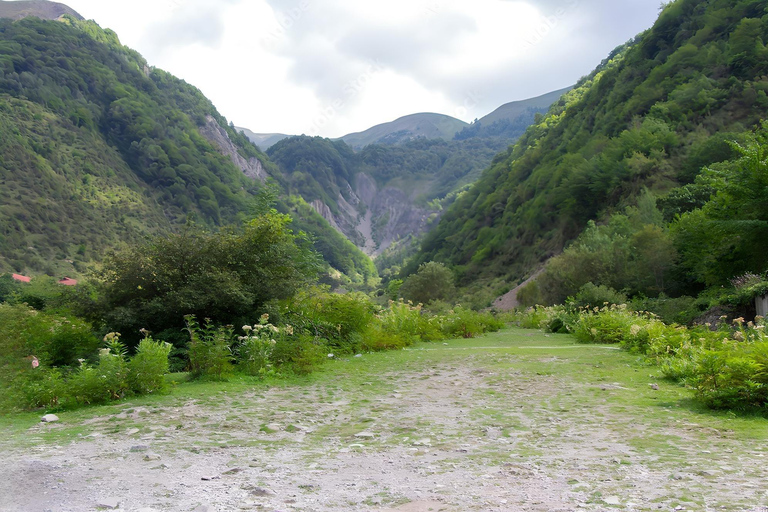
426	125
651	116
382	193
263	140
514	109
97	149
38	8
510	120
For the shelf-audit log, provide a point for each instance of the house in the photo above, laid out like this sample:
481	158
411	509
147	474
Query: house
23	279
68	282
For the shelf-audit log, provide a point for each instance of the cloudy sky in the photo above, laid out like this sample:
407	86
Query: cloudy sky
331	67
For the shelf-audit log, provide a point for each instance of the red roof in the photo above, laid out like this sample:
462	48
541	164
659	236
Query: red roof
23	279
68	282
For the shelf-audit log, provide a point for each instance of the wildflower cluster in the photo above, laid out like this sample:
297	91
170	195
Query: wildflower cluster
255	349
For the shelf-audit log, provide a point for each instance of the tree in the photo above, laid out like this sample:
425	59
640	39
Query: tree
728	235
433	281
225	276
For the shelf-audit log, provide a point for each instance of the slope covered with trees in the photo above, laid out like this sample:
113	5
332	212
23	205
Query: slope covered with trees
97	149
655	112
90	133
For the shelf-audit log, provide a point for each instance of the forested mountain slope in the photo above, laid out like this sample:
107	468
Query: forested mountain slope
651	115
97	149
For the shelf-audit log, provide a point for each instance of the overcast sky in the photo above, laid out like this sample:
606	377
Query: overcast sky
331	67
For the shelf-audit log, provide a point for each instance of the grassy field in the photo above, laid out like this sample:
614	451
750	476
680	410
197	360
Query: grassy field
517	420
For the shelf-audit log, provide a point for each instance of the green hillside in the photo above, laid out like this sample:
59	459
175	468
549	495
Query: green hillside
510	120
651	115
424	125
98	150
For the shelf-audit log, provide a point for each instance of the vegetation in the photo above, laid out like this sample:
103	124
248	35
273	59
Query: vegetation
89	132
325	170
433	282
224	276
724	366
655	112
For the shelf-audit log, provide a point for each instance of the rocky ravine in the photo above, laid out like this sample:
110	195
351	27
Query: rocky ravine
218	136
389	214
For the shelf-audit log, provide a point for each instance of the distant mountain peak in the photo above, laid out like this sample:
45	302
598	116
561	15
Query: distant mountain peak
42	9
426	124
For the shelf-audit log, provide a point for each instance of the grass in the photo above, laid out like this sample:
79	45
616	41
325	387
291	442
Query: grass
585	415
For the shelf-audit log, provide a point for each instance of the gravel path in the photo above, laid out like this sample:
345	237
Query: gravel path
474	430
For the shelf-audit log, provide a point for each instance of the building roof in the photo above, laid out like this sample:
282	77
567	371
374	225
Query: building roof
23	279
68	282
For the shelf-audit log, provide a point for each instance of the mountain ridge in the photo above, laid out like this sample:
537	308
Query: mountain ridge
42	9
651	115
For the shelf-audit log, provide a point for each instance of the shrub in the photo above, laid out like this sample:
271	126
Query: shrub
300	353
254	350
338	319
592	296
210	355
402	320
54	339
149	366
466	323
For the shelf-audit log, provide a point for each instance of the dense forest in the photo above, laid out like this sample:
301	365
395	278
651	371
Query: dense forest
654	114
98	150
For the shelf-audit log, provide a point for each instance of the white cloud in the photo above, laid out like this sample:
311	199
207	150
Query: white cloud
338	66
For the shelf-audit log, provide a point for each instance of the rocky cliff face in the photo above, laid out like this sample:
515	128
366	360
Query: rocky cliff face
372	218
217	135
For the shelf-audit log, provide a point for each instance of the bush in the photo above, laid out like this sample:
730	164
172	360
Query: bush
727	367
54	339
592	296
149	366
466	323
254	350
433	281
210	355
337	319
300	353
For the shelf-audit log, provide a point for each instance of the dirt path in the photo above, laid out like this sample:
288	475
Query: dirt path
508	423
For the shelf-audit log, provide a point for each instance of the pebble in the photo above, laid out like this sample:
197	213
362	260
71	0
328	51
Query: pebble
423	442
204	508
110	503
365	435
208	478
139	448
49	418
612	500
151	456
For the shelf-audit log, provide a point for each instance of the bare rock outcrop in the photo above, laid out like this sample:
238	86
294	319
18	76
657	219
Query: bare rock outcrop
218	136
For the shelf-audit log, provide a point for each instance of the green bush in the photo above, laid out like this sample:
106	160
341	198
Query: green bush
728	368
591	295
299	352
337	319
148	366
54	339
433	281
466	323
254	350
210	354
